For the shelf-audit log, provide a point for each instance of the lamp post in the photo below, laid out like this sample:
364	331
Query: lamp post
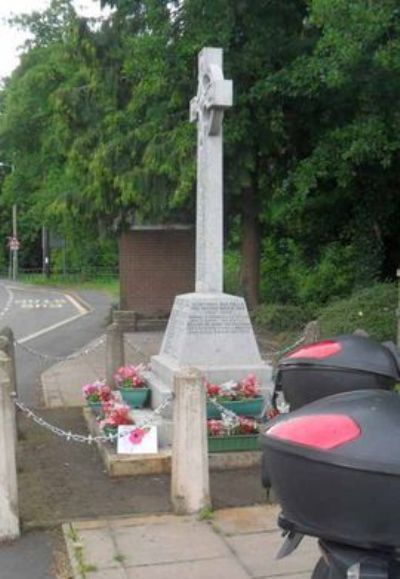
14	242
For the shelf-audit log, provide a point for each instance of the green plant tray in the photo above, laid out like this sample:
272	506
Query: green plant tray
135	397
238	443
251	407
95	407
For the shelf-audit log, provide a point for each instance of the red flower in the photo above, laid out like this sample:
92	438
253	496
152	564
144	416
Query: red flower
115	415
249	386
212	389
247	426
215	427
272	412
137	435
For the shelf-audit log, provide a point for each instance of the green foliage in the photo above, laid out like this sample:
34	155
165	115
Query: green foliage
372	309
281	317
232	272
106	283
95	120
288	276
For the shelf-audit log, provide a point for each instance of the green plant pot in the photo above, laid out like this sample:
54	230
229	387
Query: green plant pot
235	443
95	407
249	407
135	397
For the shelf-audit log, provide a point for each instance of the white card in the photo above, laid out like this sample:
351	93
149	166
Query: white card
133	439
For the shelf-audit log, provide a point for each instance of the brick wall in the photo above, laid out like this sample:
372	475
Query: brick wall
155	266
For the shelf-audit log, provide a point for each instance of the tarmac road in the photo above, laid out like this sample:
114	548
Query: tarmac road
51	323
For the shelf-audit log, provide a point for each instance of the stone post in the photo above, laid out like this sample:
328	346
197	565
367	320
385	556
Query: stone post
312	332
9	366
115	354
190	491
7	345
9	522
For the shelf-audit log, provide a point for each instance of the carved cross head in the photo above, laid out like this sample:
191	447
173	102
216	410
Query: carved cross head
214	93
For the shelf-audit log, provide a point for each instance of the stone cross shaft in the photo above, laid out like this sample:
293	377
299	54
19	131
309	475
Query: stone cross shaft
214	95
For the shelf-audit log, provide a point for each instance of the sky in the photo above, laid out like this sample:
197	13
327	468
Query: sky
10	38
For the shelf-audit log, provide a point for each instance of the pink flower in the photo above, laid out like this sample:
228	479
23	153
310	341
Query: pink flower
247	426
115	415
137	435
212	389
129	376
97	391
215	427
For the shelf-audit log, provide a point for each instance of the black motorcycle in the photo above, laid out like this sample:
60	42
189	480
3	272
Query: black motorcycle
335	467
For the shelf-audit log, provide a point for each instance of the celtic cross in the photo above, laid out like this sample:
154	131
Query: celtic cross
214	95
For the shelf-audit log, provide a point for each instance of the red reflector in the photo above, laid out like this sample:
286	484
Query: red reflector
318	350
321	431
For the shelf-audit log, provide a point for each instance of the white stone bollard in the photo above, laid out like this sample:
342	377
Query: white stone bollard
190	489
115	353
9	521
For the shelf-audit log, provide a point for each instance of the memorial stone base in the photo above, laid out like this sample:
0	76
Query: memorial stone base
211	332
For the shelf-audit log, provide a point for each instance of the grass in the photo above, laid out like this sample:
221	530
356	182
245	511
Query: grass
372	309
82	566
108	285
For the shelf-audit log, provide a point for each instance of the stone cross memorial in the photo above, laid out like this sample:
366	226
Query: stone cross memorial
208	329
214	95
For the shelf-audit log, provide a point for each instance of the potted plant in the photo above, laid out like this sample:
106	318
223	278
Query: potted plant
243	398
130	382
96	393
114	415
225	436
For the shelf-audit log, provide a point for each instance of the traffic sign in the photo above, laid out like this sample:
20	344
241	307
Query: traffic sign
13	243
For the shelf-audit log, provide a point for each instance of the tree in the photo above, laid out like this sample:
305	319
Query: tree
342	183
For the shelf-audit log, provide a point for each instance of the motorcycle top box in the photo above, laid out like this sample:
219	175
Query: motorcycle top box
335	468
341	364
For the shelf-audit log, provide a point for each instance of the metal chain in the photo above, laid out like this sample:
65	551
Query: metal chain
280	353
80	437
72	356
223	410
135	348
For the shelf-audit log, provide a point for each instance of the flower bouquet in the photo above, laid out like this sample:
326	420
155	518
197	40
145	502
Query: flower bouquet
96	393
233	436
130	382
114	415
243	398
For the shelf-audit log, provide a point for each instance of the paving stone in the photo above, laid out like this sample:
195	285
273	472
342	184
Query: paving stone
246	520
147	545
215	568
141	520
87	525
295	575
108	574
258	554
99	548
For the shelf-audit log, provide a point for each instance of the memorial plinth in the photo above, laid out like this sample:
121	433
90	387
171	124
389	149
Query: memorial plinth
211	332
208	330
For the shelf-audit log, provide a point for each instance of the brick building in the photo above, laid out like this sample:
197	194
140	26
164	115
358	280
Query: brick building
156	263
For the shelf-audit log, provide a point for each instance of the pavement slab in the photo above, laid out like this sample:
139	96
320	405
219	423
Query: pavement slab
220	568
238	543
